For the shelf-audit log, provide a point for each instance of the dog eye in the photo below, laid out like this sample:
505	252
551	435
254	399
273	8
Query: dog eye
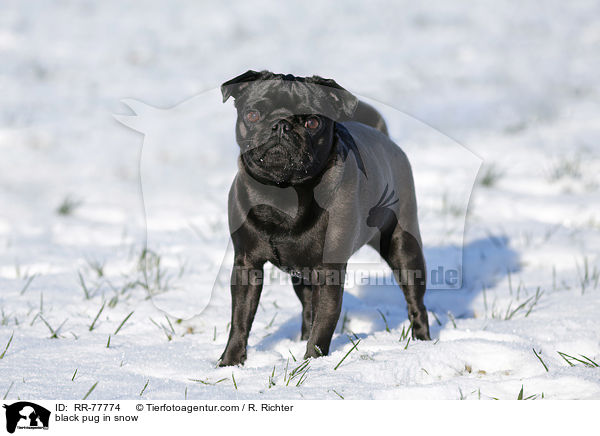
253	116
312	123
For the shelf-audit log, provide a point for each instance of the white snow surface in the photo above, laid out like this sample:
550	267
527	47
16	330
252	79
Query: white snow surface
513	86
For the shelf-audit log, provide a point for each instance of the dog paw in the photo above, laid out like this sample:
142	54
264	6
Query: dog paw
313	351
232	358
230	362
421	334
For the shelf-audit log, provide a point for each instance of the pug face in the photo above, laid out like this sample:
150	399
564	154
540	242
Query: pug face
285	124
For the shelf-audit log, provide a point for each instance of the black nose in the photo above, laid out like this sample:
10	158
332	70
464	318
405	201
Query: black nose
282	126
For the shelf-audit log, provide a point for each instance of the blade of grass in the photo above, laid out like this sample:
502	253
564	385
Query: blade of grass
271	322
83	286
590	360
519	307
344	322
90	391
8	390
54	332
24	289
338	394
206	382
405	333
346	355
303	367
537	297
145	386
272	378
170	325
451	317
387	327
350	339
508	309
163	329
34	319
7	345
540	359
589	363
123	323
303	377
566	360
97	316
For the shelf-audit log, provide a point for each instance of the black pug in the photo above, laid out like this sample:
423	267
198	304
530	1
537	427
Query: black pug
318	178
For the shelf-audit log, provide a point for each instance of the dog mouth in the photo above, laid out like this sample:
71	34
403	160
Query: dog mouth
279	161
276	152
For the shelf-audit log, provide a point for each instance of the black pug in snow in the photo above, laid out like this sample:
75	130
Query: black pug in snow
318	178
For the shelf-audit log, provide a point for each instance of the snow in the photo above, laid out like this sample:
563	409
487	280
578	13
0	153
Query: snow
465	88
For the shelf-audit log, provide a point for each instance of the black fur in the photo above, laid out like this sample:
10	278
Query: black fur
281	155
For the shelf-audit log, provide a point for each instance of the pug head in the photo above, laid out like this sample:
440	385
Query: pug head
286	124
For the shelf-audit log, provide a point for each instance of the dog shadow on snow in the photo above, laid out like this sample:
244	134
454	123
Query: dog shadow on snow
486	261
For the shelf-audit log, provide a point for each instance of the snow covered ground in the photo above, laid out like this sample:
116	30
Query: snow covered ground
513	87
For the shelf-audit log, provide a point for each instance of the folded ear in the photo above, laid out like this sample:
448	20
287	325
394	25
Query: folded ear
342	99
233	87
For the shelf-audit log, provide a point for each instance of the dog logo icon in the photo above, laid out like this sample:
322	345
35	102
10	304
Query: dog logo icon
26	415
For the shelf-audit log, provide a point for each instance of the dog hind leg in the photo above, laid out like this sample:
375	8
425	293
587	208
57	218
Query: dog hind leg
404	255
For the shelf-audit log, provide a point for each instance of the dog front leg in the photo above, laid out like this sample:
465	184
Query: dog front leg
327	290
246	286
